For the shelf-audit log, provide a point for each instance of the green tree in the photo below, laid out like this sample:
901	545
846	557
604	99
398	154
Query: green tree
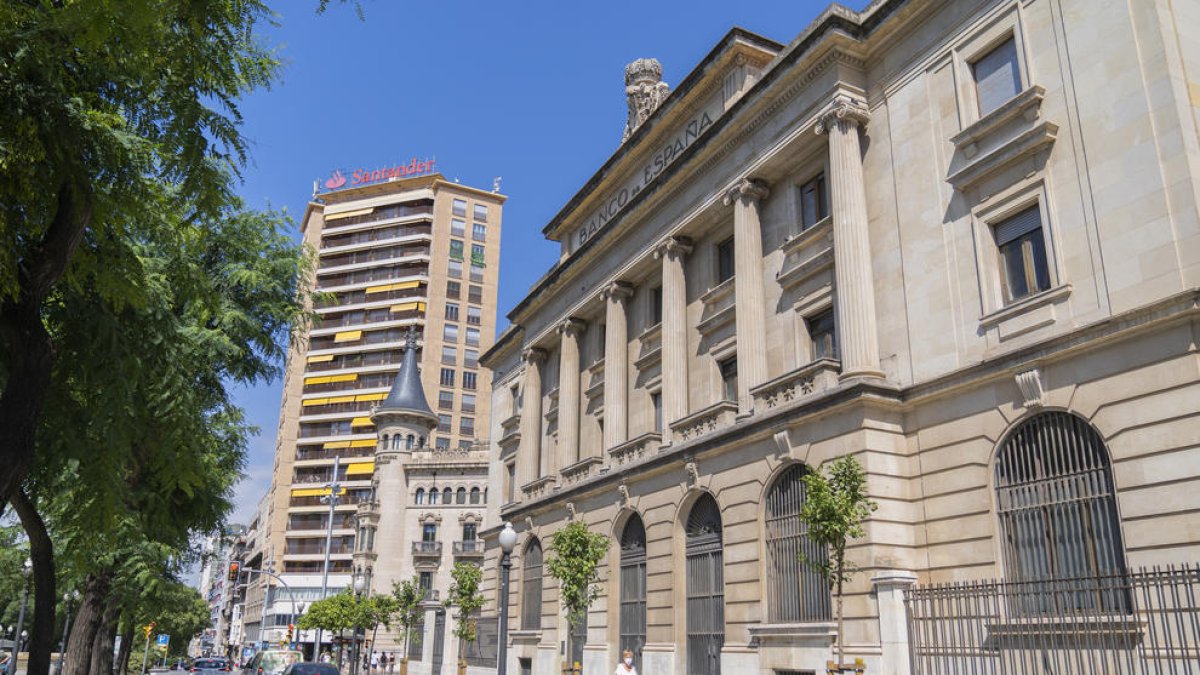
835	508
408	595
464	596
574	562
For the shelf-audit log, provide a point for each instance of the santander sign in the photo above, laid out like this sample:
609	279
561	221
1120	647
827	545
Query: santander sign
415	167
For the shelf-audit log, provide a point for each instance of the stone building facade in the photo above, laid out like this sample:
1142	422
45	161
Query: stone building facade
959	241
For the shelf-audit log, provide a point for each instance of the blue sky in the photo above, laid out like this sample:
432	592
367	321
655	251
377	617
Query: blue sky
531	91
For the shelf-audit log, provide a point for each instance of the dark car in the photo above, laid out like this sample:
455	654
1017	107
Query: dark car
311	668
210	666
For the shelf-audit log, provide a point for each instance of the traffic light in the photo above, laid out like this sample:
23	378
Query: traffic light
147	629
234	568
291	631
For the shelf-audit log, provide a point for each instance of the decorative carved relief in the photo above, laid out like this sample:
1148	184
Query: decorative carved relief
1030	384
644	92
571	513
843	108
623	491
692	471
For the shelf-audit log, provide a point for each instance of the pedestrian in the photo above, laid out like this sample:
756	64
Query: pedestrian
383	662
374	660
625	667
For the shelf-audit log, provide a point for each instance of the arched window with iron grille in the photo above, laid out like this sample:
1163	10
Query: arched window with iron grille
704	553
633	588
1057	506
531	587
795	592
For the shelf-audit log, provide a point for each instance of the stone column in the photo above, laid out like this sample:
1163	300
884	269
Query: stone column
568	393
858	343
616	364
749	299
531	467
893	620
674	330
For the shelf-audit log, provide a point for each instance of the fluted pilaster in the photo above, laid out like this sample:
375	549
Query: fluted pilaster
858	338
672	252
568	393
532	467
749	306
616	364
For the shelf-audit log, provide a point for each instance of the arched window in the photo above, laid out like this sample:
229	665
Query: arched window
420	495
385	441
531	587
460	496
435	497
705	587
633	588
447	496
1057	506
408	442
396	442
795	593
474	495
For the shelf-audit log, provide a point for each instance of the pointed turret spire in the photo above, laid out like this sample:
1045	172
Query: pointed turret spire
407	394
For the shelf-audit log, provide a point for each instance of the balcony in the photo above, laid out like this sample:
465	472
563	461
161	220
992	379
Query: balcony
468	549
427	549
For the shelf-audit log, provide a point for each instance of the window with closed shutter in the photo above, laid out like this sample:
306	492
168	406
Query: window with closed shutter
997	76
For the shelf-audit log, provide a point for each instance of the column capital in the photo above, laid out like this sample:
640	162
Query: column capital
843	107
677	247
617	290
571	327
534	355
750	189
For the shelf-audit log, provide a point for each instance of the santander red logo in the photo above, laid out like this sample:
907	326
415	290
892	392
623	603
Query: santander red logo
335	181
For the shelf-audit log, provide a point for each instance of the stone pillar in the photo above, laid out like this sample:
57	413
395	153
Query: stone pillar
616	364
858	343
532	467
893	619
568	393
749	299
674	330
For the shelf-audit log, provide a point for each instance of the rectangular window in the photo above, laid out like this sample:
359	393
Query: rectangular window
473	336
429	532
997	76
449	356
464	444
814	206
480	212
729	378
460	208
445	400
479	232
454	269
823	335
470	357
468	380
474	315
656	306
468	403
725	263
446	424
426	582
450	332
466	426
512	481
475	294
454	289
451	311
476	273
1022	254
515	393
477	255
443	443
470	531
656	403
447	378
458	228
456	249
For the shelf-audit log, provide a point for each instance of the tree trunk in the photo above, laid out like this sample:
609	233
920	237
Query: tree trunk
841	639
83	632
102	645
45	595
126	647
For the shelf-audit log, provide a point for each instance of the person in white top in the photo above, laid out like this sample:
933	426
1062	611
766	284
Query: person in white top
625	667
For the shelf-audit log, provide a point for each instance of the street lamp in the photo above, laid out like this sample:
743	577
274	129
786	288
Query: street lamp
68	598
508	541
26	572
360	584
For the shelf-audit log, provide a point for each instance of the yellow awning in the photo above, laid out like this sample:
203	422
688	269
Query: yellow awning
409	306
348	214
326	379
363	443
370	397
331	445
314	401
403	285
362	422
320	358
314	492
348	336
340	399
360	468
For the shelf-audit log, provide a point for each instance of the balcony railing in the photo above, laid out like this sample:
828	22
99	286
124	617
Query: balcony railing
468	549
429	548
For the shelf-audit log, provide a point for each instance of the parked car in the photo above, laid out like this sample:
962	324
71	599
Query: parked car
311	668
272	662
211	666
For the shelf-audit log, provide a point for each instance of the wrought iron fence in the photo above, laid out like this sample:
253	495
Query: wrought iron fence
482	650
1136	623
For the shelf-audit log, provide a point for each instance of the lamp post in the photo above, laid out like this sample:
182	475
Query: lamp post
508	541
332	500
68	598
17	632
359	585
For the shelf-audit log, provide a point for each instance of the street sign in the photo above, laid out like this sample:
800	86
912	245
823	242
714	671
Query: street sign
163	640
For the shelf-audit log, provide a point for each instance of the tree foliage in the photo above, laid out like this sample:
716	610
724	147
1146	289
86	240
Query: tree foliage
464	596
834	510
408	595
344	611
576	556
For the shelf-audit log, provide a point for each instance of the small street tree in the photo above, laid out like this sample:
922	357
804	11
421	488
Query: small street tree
835	508
347	612
408	595
465	597
576	556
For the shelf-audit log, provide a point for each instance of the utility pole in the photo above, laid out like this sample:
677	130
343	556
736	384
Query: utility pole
332	497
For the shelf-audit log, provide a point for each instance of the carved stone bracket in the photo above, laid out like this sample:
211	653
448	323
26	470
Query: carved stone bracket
1032	391
623	491
692	471
571	512
844	107
750	189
